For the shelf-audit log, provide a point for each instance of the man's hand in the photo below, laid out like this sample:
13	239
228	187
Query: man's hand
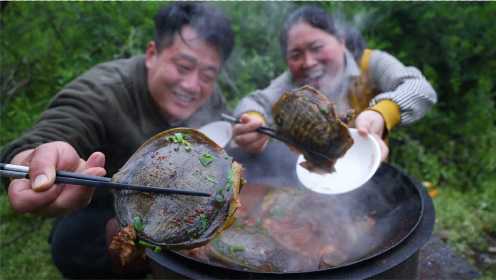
247	138
39	194
372	122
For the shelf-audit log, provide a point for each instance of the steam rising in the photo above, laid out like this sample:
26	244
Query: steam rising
359	223
342	228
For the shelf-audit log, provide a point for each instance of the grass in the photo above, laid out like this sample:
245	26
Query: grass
464	220
24	250
467	221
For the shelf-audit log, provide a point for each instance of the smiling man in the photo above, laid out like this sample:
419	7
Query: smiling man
98	121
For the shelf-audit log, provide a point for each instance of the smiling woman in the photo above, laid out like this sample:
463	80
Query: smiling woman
46	45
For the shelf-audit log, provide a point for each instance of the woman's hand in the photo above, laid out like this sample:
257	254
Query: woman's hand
39	194
246	137
372	122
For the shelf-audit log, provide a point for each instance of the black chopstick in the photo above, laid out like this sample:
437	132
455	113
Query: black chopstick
18	171
262	129
273	133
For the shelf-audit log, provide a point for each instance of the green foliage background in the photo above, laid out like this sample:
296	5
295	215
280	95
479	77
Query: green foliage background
45	45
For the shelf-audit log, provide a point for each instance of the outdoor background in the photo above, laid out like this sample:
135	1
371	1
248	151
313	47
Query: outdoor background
43	46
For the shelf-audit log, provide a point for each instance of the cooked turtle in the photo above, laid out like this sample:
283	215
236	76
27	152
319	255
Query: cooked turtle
245	247
289	230
186	159
248	245
302	223
309	119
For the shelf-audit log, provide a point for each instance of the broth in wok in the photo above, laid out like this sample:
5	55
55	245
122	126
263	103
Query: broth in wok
287	230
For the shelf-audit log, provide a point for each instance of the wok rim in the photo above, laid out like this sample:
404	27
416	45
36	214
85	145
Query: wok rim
411	181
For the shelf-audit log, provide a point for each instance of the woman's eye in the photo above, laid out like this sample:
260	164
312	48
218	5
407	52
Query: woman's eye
294	56
316	48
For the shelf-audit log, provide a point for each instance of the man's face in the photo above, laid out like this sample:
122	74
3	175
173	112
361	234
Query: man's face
314	57
182	76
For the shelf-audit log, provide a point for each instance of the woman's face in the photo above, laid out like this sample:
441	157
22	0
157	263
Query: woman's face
314	57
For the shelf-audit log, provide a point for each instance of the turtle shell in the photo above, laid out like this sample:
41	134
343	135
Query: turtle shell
309	119
179	158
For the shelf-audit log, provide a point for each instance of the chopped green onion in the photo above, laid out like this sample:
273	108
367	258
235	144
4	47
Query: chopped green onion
229	182
236	248
138	224
203	222
179	137
206	159
219	197
211	179
155	248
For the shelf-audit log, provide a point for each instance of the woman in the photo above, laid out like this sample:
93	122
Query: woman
376	86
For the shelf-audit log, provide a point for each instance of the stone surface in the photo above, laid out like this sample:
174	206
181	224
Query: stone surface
439	261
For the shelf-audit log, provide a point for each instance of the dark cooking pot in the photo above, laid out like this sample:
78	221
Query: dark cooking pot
403	212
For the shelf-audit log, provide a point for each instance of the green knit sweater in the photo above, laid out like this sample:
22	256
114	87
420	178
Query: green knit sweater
107	109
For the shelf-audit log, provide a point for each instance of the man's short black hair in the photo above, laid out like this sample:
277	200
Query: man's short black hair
209	22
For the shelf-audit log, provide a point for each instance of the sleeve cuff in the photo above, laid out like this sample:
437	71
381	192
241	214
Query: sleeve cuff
257	115
390	111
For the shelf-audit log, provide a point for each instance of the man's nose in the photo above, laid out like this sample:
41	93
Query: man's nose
191	82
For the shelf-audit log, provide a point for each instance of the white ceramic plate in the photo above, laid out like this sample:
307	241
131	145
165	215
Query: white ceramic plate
220	132
355	168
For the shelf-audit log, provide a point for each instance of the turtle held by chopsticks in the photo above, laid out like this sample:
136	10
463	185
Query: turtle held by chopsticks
309	119
178	158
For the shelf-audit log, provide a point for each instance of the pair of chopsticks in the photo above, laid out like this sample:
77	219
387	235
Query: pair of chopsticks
273	133
65	177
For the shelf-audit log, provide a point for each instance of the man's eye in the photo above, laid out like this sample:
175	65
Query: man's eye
207	78
183	68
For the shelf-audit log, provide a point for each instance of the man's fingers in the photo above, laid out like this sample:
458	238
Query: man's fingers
46	159
76	196
23	199
97	159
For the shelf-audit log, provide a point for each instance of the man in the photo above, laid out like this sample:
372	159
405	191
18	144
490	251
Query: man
376	86
113	108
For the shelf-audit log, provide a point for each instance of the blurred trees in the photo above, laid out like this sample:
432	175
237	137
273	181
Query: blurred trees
45	45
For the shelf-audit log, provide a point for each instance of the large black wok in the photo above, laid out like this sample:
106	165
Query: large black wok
402	211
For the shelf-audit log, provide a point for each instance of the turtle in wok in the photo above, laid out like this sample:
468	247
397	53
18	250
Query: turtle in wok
309	120
179	158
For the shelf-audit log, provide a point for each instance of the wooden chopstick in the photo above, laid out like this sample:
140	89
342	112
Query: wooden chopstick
18	171
273	133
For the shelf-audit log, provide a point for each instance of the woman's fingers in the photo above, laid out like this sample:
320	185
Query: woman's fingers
370	122
246	136
383	146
